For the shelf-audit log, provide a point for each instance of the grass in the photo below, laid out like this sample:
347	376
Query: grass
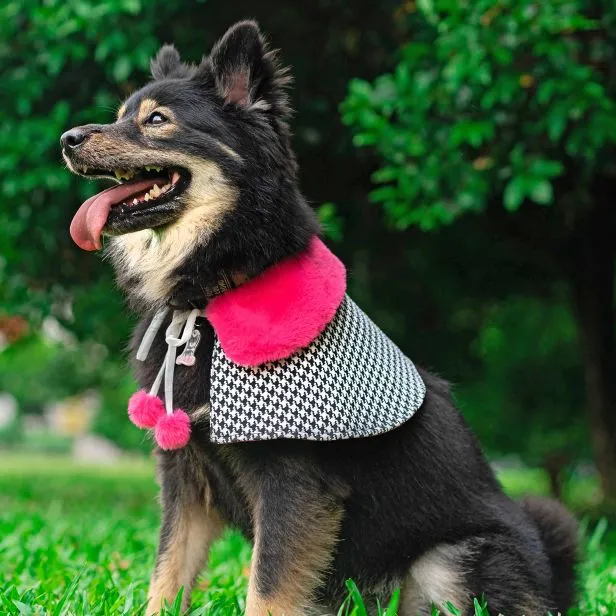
81	540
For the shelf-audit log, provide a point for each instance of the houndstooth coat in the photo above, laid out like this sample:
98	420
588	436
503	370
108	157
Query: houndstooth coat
352	381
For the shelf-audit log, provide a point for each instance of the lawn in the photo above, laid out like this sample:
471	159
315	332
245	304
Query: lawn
81	540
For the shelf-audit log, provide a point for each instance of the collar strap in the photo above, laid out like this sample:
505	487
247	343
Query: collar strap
225	283
282	310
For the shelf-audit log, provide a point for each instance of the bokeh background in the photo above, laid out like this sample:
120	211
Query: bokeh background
462	159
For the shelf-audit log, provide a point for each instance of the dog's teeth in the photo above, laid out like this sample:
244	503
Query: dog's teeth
175	177
155	190
147	197
124	174
85	169
135	201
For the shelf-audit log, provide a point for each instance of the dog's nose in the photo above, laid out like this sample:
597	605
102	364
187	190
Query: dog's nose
73	138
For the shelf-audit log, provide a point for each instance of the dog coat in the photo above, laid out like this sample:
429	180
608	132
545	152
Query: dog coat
294	358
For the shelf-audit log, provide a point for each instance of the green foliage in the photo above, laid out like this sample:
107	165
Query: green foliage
38	371
330	221
63	62
488	100
88	542
527	407
354	604
82	540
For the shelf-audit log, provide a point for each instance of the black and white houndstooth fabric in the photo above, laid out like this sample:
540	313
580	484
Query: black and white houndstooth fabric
352	381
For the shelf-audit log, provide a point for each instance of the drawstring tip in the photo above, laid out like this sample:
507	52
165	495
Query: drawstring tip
173	431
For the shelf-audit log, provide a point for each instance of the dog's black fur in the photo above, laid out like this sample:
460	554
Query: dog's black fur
370	509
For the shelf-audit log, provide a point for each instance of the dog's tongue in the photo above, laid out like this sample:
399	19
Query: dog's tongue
88	222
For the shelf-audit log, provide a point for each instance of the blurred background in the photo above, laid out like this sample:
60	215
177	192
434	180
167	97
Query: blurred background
461	158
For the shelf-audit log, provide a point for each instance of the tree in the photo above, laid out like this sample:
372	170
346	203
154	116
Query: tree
509	109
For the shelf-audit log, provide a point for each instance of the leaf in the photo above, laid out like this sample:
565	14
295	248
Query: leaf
542	192
360	607
121	68
514	194
427	8
557	122
547	168
330	221
68	593
363	139
24	610
392	606
384	193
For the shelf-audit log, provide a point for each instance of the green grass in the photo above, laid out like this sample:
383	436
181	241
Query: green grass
81	540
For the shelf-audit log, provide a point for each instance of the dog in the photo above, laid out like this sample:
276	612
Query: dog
208	203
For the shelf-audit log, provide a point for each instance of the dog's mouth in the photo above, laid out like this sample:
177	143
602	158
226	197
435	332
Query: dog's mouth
144	197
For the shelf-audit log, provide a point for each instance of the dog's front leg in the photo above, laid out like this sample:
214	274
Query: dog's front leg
190	524
296	530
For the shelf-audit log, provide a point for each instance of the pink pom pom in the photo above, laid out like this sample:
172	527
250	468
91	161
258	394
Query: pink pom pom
144	409
173	431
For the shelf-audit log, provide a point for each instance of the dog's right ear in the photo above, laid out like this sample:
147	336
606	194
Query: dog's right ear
167	63
243	71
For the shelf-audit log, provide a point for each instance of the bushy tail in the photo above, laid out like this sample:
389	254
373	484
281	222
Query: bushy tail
559	532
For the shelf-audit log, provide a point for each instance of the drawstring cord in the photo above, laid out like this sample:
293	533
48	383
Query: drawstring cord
185	318
172	426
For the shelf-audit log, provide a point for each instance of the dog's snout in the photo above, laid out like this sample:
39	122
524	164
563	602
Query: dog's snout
74	137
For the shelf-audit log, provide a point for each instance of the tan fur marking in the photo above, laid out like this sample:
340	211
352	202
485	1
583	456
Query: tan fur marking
230	151
436	577
155	255
310	554
532	607
185	555
121	111
201	414
146	107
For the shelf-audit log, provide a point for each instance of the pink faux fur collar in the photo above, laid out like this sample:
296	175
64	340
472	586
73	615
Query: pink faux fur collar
282	310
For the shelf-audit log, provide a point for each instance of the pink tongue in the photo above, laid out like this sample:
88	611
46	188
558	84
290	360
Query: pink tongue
91	217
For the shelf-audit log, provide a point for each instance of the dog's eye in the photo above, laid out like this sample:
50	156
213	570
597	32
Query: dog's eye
156	118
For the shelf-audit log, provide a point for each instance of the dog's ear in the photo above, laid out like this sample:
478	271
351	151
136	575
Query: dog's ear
245	72
167	64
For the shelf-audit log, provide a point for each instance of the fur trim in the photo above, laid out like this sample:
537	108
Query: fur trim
144	409
173	431
282	310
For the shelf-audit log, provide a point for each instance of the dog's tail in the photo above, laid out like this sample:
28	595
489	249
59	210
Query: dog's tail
559	532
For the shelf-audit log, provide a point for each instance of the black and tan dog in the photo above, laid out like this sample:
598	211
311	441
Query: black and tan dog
208	190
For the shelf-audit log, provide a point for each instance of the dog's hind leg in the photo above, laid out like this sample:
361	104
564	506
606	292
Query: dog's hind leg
438	577
458	573
190	524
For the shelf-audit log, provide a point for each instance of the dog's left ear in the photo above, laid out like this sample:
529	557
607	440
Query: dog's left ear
167	64
245	72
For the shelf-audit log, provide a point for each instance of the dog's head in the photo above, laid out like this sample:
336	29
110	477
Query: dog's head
206	175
